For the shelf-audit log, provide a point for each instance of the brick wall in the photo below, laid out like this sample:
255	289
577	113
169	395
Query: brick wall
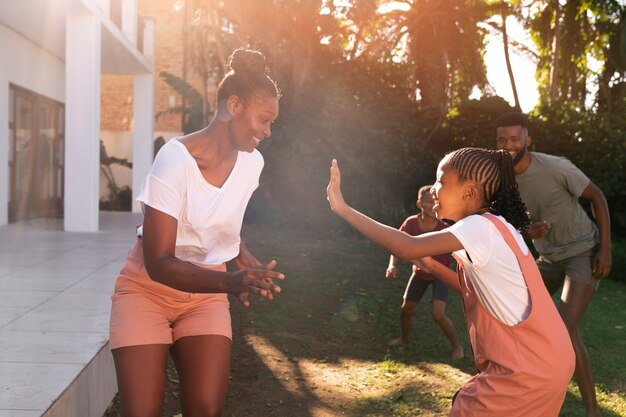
117	91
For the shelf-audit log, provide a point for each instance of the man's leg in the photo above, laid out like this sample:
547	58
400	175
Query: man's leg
574	301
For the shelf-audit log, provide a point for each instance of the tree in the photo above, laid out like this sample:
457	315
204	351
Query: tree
570	36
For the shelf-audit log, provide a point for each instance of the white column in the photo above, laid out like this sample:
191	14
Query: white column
143	108
82	123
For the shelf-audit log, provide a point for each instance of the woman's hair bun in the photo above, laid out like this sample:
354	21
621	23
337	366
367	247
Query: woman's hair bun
246	61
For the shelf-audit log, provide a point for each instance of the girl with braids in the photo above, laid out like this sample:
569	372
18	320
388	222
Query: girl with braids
521	347
171	295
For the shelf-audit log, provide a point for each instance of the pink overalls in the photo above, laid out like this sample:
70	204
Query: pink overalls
524	369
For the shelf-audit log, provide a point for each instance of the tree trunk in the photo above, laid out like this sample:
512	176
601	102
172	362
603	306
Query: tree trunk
505	41
556	50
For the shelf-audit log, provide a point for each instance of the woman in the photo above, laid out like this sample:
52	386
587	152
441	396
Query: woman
171	295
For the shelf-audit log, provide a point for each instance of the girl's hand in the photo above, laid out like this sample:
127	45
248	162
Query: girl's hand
538	229
258	280
425	264
333	191
392	272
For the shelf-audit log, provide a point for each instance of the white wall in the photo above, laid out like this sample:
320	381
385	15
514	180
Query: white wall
120	145
25	64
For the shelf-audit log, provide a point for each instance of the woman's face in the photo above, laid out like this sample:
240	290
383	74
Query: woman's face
252	122
448	194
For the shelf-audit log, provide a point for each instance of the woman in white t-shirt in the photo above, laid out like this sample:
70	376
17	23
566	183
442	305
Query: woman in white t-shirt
520	344
171	295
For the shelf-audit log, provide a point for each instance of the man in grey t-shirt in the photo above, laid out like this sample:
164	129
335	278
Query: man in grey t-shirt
574	252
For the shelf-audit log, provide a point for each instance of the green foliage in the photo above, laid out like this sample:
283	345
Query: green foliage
596	145
361	115
349	84
194	111
618	271
472	124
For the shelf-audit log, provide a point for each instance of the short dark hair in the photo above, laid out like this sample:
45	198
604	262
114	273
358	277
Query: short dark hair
513	119
424	189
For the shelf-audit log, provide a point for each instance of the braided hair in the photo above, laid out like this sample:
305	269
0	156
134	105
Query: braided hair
493	171
248	77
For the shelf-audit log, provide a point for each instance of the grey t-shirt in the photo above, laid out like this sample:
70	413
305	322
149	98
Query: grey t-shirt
550	188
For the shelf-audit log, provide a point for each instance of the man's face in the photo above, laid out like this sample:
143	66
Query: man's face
514	140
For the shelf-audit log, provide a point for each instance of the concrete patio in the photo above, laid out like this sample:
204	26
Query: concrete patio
56	288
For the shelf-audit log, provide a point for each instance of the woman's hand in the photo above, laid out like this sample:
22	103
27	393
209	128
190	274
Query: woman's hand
245	259
333	191
257	280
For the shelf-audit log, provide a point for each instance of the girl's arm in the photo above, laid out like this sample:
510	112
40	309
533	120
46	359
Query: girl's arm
398	243
159	242
445	274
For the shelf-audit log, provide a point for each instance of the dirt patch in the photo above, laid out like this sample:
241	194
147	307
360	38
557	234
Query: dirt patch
320	349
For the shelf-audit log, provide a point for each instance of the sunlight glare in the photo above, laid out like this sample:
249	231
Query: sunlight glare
392	6
523	68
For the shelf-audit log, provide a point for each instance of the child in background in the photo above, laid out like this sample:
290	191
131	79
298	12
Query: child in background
521	346
419	281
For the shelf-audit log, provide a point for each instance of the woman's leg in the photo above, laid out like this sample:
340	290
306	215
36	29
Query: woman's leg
141	379
203	364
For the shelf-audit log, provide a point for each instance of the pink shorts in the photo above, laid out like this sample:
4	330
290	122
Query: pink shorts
145	312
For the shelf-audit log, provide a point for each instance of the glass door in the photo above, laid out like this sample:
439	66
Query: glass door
35	156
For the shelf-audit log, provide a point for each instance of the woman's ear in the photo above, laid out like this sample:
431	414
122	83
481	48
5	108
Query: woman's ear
233	105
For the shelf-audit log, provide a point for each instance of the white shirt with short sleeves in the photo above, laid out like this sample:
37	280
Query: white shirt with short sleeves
209	217
492	267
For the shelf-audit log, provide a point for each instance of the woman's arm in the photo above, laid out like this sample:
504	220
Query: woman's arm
398	243
159	242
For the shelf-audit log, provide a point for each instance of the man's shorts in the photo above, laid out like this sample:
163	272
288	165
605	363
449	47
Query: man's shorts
145	312
578	268
417	286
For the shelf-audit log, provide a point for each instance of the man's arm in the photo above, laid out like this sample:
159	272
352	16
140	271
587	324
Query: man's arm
600	210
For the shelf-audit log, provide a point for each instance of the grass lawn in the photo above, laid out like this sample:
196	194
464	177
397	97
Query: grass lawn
322	344
320	348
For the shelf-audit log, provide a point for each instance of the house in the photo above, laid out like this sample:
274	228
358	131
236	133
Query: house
55	54
56	284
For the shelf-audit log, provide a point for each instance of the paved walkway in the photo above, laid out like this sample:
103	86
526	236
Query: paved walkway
55	290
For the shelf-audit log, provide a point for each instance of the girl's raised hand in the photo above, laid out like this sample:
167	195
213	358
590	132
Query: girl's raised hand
333	191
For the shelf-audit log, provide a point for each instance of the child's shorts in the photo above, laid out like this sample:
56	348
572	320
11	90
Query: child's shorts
145	312
416	287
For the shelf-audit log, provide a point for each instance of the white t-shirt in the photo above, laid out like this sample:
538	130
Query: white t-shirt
209	218
492	267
